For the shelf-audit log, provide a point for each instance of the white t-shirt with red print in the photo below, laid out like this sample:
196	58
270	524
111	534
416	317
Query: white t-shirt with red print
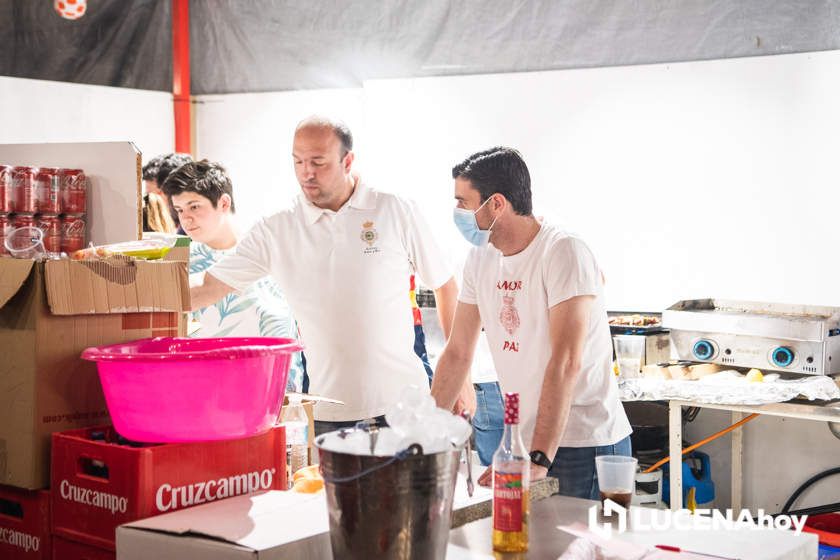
514	295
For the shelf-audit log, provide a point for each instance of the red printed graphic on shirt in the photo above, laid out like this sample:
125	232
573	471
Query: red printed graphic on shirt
509	316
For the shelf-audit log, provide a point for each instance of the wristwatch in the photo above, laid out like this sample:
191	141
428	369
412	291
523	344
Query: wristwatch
541	459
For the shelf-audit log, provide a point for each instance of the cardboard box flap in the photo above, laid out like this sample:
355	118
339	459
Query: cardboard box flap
117	285
13	273
284	517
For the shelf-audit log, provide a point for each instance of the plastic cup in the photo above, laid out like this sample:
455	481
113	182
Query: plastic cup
616	478
629	351
26	243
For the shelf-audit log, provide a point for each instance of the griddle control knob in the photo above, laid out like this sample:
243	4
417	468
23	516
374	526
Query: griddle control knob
782	356
704	349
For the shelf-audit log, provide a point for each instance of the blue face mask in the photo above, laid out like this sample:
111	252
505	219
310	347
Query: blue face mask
468	226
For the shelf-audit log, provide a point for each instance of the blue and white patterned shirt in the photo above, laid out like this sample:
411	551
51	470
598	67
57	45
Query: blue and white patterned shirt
260	310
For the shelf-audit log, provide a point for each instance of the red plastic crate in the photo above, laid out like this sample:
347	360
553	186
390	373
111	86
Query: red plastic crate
64	549
24	524
100	484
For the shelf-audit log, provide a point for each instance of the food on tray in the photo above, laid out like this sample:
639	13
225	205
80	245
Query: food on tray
91	253
655	371
755	376
699	371
149	249
634	320
679	372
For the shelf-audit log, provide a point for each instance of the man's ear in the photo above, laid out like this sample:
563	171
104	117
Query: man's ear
348	161
225	201
499	201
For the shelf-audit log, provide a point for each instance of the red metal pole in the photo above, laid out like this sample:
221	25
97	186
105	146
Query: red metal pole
181	74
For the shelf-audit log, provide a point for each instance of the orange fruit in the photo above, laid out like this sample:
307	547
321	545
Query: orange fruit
308	485
306	472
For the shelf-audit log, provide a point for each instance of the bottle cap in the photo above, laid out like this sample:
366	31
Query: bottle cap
511	408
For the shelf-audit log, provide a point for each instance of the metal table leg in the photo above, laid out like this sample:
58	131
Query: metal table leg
737	454
675	451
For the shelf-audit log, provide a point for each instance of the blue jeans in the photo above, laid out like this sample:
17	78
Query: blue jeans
574	467
489	420
420	350
324	427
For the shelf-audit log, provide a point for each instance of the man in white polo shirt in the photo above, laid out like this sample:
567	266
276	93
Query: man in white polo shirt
343	254
538	292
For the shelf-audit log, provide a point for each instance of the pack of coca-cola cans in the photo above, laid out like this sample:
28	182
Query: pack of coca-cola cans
49	198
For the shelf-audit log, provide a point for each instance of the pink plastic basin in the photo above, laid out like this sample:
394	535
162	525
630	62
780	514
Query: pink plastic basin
163	390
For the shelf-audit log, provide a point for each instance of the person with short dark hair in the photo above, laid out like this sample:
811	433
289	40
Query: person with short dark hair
344	254
168	164
538	292
201	193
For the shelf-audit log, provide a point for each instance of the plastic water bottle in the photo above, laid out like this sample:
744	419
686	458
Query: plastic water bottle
297	436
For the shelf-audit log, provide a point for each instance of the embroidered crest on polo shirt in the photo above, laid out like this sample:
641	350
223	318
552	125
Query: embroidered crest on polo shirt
369	236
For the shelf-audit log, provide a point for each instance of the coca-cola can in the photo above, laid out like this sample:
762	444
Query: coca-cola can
48	190
73	233
24	220
25	189
51	225
7	192
73	191
4	226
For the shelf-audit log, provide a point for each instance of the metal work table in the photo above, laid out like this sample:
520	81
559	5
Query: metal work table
546	540
473	541
826	412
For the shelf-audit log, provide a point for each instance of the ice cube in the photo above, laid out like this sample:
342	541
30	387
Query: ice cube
412	397
398	416
457	430
389	442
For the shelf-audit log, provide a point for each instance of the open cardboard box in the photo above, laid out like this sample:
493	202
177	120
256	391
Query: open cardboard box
51	311
270	526
267	526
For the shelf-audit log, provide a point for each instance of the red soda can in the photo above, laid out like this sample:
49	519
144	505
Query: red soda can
7	191
4	226
73	233
51	225
23	220
73	191
48	190
25	189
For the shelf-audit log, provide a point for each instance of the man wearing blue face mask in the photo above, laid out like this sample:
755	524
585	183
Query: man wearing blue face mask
538	293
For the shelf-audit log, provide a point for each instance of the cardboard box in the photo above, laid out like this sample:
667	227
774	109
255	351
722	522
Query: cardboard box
269	526
25	524
99	482
64	549
49	313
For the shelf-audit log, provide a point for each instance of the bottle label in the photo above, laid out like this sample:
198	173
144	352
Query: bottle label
507	502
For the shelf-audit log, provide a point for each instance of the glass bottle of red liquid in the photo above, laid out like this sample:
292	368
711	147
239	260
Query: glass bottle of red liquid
511	481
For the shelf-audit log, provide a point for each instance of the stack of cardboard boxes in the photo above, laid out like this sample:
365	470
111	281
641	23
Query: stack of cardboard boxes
67	479
49	312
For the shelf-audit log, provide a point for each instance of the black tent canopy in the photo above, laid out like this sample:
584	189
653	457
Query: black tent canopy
276	45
